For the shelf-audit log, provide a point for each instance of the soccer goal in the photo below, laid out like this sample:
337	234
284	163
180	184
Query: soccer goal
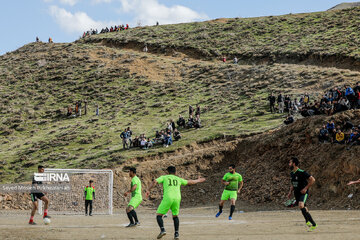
72	202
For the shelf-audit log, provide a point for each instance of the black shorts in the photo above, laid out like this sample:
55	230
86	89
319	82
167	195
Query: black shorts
301	198
36	196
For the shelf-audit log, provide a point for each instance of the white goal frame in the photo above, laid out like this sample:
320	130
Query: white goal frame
74	171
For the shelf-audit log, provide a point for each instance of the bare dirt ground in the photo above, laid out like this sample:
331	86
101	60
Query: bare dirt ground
195	223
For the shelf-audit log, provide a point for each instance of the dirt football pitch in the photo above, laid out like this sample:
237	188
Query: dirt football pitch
195	223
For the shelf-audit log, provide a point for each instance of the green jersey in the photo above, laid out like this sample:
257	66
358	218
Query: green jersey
171	185
89	193
233	180
136	181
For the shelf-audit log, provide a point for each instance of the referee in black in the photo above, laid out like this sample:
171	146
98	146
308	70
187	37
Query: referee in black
301	181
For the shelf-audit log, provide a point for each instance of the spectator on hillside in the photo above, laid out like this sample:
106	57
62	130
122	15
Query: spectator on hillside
157	135
168	140
272	100
172	125
169	127
324	135
330	126
85	107
97	110
280	101
197	122
143	143
355	140
149	143
181	122
191	110
124	136
177	135
190	122
340	137
287	103
344	103
357	98
135	142
224	59
197	112
349	92
145	48
306	99
129	133
50	40
37	39
157	23
289	119
235	60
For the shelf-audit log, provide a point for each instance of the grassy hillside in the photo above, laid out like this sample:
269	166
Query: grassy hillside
145	90
288	38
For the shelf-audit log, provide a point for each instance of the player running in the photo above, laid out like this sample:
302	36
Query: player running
301	182
89	195
231	180
136	198
171	198
35	196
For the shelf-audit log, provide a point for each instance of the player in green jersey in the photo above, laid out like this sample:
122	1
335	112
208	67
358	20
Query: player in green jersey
89	195
136	198
171	198
231	180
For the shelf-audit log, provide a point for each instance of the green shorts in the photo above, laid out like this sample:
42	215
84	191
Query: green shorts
226	195
135	202
166	204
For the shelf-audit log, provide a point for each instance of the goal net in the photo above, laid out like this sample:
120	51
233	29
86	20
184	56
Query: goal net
73	201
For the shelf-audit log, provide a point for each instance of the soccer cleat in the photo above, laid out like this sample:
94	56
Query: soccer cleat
176	236
47	216
161	234
309	224
230	218
312	228
218	214
32	223
137	224
131	225
90	214
85	214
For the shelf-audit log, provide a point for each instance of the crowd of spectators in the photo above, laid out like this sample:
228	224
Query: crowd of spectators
163	137
115	28
340	133
333	101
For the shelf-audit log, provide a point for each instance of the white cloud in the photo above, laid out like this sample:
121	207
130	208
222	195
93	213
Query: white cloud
101	1
69	2
148	12
77	22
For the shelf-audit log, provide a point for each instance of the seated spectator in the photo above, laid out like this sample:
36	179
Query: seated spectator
177	135
324	135
357	97
328	108
197	122
345	104
143	143
181	122
190	122
149	143
157	134
289	119
340	137
69	111
235	60
172	125
136	142
168	140
355	140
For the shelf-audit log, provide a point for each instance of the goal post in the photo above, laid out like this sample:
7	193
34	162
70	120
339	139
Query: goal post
72	201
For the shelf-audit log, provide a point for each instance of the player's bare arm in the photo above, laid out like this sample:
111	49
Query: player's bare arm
241	184
311	181
131	190
353	182
199	180
224	182
153	184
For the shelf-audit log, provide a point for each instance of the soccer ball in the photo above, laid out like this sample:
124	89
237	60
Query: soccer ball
47	221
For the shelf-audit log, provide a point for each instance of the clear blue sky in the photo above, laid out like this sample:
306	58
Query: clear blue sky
65	20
